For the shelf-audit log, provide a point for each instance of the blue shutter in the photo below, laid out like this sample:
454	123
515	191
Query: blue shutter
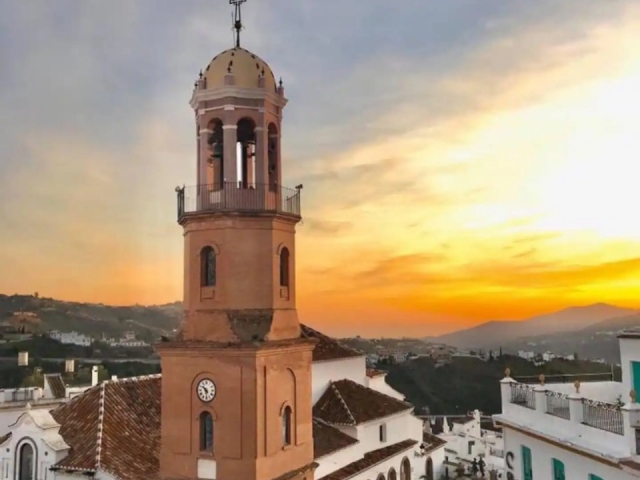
527	469
558	470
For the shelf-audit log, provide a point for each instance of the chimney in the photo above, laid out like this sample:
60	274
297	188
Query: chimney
69	365
94	375
23	359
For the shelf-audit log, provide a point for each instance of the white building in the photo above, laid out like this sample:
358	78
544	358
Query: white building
362	429
581	431
468	438
71	338
526	354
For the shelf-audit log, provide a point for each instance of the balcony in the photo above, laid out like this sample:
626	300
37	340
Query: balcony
238	198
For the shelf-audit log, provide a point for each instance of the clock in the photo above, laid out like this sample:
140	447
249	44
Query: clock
206	390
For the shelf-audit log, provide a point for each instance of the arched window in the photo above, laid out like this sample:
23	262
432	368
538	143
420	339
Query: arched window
286	425
208	267
392	474
429	469
26	462
284	267
380	477
405	469
206	432
272	154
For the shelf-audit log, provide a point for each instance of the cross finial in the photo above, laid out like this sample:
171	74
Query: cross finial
237	18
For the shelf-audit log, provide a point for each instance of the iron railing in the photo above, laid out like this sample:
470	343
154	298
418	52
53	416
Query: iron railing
568	378
22	395
558	404
522	394
238	197
602	415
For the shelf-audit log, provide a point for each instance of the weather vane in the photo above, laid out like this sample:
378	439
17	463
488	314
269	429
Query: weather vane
237	18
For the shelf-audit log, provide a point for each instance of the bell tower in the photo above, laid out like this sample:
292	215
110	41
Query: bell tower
236	380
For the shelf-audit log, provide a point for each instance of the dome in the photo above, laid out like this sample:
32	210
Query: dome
245	66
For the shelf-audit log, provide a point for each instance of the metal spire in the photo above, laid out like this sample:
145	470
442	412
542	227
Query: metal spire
237	18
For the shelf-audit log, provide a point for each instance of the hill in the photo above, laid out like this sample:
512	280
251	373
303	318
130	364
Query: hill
41	315
468	383
597	341
495	334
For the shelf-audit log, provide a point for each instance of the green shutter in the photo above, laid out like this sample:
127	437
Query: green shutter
527	469
558	470
594	477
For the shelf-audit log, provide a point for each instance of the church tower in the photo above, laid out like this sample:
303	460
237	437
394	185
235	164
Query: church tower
236	381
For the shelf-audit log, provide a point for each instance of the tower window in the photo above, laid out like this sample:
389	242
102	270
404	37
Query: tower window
284	267
27	463
382	432
286	426
206	432
208	267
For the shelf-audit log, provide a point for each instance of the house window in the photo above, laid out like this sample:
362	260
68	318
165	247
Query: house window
527	469
26	462
558	469
206	432
284	267
382	430
286	426
470	447
208	267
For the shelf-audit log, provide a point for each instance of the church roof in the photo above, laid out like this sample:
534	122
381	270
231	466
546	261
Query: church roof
104	422
346	402
373	373
245	66
328	439
328	348
431	442
369	460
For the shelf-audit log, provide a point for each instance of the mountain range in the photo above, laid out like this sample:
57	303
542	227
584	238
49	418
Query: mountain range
589	331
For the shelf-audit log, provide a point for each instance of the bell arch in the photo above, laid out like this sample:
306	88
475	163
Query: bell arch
246	152
215	161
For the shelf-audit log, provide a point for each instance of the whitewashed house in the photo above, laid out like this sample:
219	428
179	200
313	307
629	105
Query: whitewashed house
581	431
362	429
71	338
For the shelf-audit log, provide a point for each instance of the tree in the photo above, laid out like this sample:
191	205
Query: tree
575	355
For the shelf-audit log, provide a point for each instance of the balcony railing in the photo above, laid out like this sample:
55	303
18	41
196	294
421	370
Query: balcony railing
558	404
238	197
22	395
522	394
604	416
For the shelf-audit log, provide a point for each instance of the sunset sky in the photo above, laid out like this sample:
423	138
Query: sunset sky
462	160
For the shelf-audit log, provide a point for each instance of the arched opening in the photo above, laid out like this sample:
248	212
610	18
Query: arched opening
208	267
392	474
284	267
215	173
405	469
246	153
429	469
272	156
380	477
206	432
26	462
286	425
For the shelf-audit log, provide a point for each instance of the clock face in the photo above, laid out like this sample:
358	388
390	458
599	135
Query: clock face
206	390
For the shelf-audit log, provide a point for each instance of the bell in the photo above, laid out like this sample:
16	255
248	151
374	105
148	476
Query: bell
217	151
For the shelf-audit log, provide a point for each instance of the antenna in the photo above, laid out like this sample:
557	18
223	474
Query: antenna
237	18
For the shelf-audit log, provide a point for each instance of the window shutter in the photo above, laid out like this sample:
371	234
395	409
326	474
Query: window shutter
527	468
558	470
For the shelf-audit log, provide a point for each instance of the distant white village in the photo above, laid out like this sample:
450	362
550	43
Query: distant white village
128	340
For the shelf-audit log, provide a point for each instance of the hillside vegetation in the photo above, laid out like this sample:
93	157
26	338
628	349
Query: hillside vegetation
468	383
40	315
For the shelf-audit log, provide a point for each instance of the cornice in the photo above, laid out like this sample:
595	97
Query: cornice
237	92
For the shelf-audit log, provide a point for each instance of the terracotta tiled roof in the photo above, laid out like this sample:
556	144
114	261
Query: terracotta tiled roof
371	373
103	423
328	348
348	403
431	442
56	385
4	438
299	472
369	460
327	439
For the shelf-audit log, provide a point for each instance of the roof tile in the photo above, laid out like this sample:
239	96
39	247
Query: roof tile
328	348
328	439
372	373
369	460
346	402
101	425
